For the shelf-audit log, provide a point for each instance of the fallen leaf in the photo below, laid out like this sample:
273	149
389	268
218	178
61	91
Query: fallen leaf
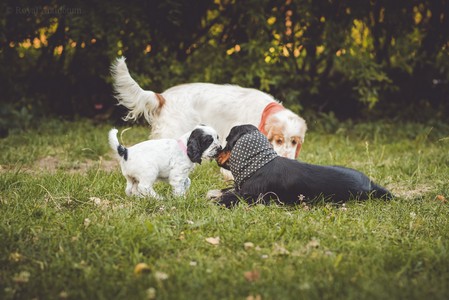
95	200
160	275
22	277
252	276
86	222
254	297
15	256
213	240
441	198
314	243
248	245
279	250
103	204
142	268
151	293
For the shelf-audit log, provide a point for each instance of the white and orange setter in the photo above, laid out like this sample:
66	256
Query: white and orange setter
182	107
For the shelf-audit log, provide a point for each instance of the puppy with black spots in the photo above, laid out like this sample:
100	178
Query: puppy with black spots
261	175
164	159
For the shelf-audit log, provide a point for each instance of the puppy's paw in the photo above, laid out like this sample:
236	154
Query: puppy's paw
214	194
227	175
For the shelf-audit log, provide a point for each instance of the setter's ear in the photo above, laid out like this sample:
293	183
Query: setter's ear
298	150
223	158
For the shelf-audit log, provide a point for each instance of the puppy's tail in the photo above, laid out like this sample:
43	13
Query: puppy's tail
380	192
115	145
129	94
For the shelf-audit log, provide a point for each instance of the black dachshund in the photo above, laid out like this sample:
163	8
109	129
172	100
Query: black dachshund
261	175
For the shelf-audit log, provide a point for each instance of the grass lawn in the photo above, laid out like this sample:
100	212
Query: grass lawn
68	231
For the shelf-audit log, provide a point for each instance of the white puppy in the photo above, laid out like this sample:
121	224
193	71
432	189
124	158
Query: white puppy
165	159
181	107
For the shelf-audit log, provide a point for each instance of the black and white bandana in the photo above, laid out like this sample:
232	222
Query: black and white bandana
250	153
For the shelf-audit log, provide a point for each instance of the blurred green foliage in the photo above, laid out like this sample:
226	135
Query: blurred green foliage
357	59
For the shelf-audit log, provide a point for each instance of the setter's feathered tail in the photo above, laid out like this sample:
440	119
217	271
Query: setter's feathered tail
129	94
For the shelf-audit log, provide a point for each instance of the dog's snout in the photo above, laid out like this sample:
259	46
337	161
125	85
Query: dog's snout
217	151
222	158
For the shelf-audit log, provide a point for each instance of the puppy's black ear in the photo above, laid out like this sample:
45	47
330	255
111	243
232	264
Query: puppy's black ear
193	150
198	142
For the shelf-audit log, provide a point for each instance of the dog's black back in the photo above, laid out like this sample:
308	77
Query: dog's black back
291	181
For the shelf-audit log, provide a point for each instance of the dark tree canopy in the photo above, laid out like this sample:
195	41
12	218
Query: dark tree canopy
357	59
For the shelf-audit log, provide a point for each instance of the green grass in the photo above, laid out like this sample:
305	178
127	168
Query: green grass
67	229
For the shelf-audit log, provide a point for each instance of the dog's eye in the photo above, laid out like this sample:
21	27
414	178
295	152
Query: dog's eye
279	142
294	143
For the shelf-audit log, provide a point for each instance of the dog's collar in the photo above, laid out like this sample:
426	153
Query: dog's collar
182	146
270	109
251	152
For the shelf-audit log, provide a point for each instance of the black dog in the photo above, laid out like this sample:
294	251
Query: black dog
261	175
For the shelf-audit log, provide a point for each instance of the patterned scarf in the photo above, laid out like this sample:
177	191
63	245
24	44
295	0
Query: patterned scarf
250	153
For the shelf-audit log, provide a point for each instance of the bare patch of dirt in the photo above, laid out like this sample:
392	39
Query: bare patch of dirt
52	164
407	192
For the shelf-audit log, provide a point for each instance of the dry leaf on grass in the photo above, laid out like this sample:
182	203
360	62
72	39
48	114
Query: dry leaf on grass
15	257
213	240
151	293
141	268
22	277
252	276
95	200
314	243
280	250
103	204
441	198
254	297
86	222
248	245
160	275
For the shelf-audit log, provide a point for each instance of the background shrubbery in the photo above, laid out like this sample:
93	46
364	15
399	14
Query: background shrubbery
357	59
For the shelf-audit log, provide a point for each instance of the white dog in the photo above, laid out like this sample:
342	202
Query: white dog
165	159
181	107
